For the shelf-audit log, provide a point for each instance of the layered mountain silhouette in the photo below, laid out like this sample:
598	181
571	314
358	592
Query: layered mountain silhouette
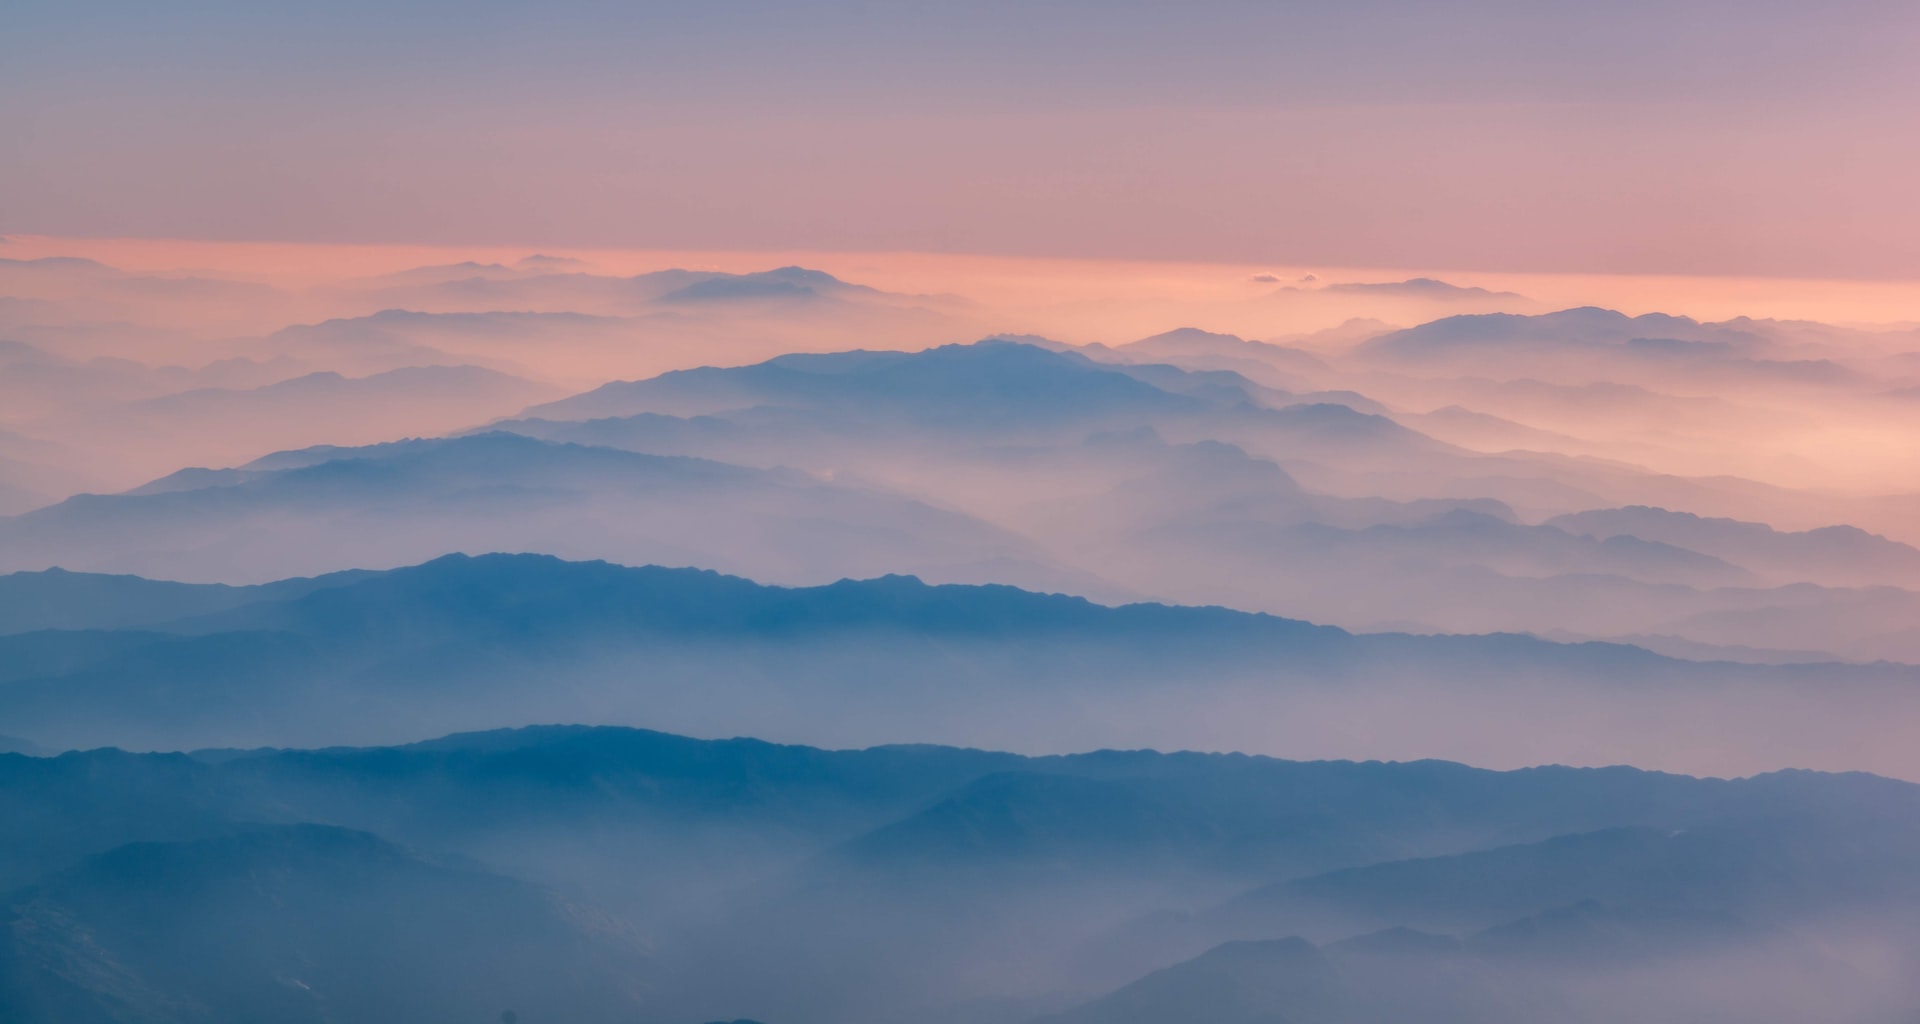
958	385
462	643
612	874
227	425
1167	483
1834	552
1589	343
1586	325
324	509
1013	462
352	515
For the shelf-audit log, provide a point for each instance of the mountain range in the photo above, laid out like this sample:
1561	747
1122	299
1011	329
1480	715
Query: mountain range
802	884
480	642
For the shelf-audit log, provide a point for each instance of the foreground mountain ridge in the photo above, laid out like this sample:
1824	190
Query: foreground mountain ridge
226	883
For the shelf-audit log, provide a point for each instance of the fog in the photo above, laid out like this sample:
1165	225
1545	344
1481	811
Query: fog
1731	491
467	644
1366	522
613	874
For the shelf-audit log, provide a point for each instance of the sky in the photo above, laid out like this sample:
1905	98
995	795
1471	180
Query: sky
1754	138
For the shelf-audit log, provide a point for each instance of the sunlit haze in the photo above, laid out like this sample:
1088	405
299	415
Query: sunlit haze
837	512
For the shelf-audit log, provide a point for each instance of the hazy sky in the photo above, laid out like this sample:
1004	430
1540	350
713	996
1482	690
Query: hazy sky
1751	137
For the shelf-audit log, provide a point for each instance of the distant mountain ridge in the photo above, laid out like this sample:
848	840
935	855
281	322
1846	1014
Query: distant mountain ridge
402	502
954	383
477	642
1844	551
1585	325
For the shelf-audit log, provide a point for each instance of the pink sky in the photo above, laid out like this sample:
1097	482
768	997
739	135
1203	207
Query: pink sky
1706	138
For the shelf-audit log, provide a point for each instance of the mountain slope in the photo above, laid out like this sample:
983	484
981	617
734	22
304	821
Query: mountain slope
330	509
1277	981
1838	554
965	386
304	924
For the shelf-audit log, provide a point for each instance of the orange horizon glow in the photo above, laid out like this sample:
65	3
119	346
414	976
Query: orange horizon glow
1059	290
